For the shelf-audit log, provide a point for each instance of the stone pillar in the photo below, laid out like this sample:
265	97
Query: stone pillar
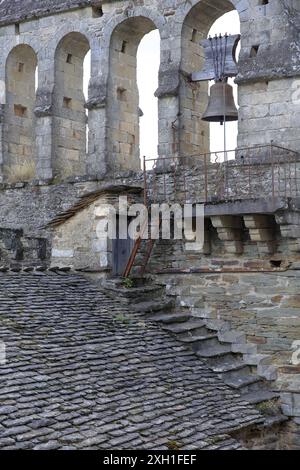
44	141
97	125
168	113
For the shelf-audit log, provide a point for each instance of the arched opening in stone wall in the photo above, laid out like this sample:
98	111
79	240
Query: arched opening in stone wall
230	24
87	66
19	119
199	137
148	62
70	115
124	111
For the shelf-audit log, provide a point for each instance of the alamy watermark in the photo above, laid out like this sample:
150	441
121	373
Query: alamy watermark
159	221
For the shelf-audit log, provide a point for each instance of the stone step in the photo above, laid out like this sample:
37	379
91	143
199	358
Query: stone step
246	382
232	370
153	306
228	366
135	292
256	359
171	318
201	342
189	326
197	333
241	371
275	420
141	293
215	353
260	396
217	325
116	282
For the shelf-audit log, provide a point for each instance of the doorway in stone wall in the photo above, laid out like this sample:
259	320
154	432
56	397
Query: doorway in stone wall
121	248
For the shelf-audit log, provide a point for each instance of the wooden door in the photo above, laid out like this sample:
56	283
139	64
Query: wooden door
121	251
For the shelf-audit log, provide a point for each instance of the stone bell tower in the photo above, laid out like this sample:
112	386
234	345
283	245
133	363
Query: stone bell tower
44	128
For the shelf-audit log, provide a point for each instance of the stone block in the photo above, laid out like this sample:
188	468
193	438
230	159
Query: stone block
244	348
230	234
233	247
227	221
294	245
62	253
290	231
261	235
198	247
258	221
267	248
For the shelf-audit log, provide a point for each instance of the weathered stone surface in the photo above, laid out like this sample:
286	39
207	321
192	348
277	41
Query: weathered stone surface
19	10
73	353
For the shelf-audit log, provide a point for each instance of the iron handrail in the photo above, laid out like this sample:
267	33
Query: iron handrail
223	152
217	184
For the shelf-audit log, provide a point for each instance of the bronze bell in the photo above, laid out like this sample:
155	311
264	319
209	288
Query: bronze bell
221	104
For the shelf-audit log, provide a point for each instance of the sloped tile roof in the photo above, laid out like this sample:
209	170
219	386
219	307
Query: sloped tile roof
82	372
19	10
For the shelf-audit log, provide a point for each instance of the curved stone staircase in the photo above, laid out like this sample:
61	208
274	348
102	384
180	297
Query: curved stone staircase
222	350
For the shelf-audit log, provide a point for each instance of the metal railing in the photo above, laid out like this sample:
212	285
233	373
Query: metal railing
262	171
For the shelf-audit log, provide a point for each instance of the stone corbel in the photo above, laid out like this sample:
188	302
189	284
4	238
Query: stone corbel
97	94
44	103
169	81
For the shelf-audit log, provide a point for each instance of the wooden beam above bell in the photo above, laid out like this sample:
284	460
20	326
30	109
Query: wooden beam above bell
220	58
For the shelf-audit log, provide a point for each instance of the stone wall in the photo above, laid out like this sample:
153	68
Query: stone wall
251	303
77	244
123	94
70	118
272	113
263	307
82	242
19	120
18	251
31	207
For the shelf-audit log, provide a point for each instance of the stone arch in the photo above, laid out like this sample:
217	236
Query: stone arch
123	96
195	133
152	16
79	28
243	8
69	113
19	120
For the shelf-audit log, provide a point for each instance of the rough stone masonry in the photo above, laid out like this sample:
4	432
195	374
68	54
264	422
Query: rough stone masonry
62	156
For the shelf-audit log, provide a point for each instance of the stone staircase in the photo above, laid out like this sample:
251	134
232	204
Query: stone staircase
18	251
217	348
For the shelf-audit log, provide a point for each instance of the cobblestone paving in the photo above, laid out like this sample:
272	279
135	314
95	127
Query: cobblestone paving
84	373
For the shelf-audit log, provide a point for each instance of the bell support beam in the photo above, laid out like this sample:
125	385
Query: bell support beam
226	65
